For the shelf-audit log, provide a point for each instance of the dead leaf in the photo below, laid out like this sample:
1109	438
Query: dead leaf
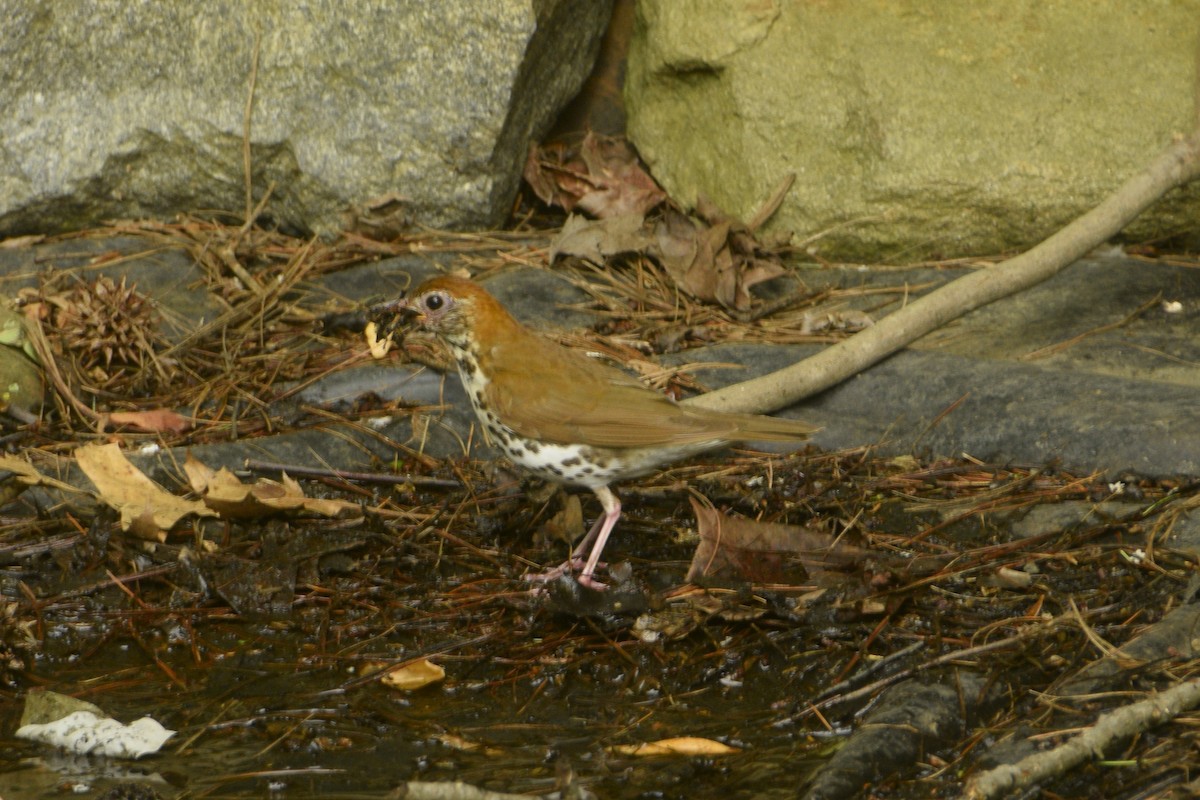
28	475
601	176
466	745
686	610
758	551
677	746
678	248
224	493
16	242
416	675
147	510
567	524
198	474
753	271
622	186
154	420
713	258
701	263
541	178
596	240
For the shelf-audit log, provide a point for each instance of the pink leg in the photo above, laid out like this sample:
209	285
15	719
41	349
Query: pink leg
595	539
612	512
575	562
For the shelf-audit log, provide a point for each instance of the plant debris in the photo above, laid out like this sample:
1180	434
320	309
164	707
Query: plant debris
107	332
147	510
264	634
601	175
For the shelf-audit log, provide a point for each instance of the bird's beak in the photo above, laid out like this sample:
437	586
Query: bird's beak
382	322
390	316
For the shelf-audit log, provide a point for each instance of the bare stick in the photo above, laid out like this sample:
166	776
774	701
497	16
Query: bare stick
358	477
247	118
1120	724
1174	167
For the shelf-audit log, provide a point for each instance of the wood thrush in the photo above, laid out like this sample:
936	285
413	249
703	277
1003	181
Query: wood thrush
568	418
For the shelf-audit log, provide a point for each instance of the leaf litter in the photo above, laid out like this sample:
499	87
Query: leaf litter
841	575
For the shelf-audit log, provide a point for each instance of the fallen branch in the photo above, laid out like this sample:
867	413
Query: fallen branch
1174	167
1124	723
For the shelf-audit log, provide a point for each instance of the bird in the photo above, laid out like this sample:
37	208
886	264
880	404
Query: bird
563	415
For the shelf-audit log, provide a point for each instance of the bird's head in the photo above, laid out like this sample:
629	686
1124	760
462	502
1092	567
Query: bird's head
451	308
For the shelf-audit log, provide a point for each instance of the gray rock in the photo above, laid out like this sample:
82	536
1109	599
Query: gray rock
117	108
1113	397
916	130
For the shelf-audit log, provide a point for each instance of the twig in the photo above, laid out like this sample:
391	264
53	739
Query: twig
1122	723
1175	166
1021	636
247	118
111	580
228	253
357	477
1051	349
37	338
773	202
869	670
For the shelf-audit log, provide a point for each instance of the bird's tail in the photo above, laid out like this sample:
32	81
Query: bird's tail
756	428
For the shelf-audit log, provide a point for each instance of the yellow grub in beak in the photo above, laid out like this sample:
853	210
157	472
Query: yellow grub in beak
378	347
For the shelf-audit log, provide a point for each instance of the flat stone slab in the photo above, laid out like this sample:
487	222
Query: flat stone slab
1120	392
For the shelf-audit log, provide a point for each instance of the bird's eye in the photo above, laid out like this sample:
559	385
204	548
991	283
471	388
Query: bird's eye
435	301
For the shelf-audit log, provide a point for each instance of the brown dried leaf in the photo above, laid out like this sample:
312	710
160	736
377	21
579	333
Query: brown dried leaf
567	524
147	510
677	746
685	255
623	187
154	420
603	177
540	180
596	240
744	548
198	473
715	258
752	272
25	473
557	175
416	675
225	494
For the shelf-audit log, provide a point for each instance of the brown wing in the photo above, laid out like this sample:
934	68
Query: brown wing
565	396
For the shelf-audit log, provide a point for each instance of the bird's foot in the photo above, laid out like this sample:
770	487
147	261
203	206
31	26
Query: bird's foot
592	583
568	567
548	575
